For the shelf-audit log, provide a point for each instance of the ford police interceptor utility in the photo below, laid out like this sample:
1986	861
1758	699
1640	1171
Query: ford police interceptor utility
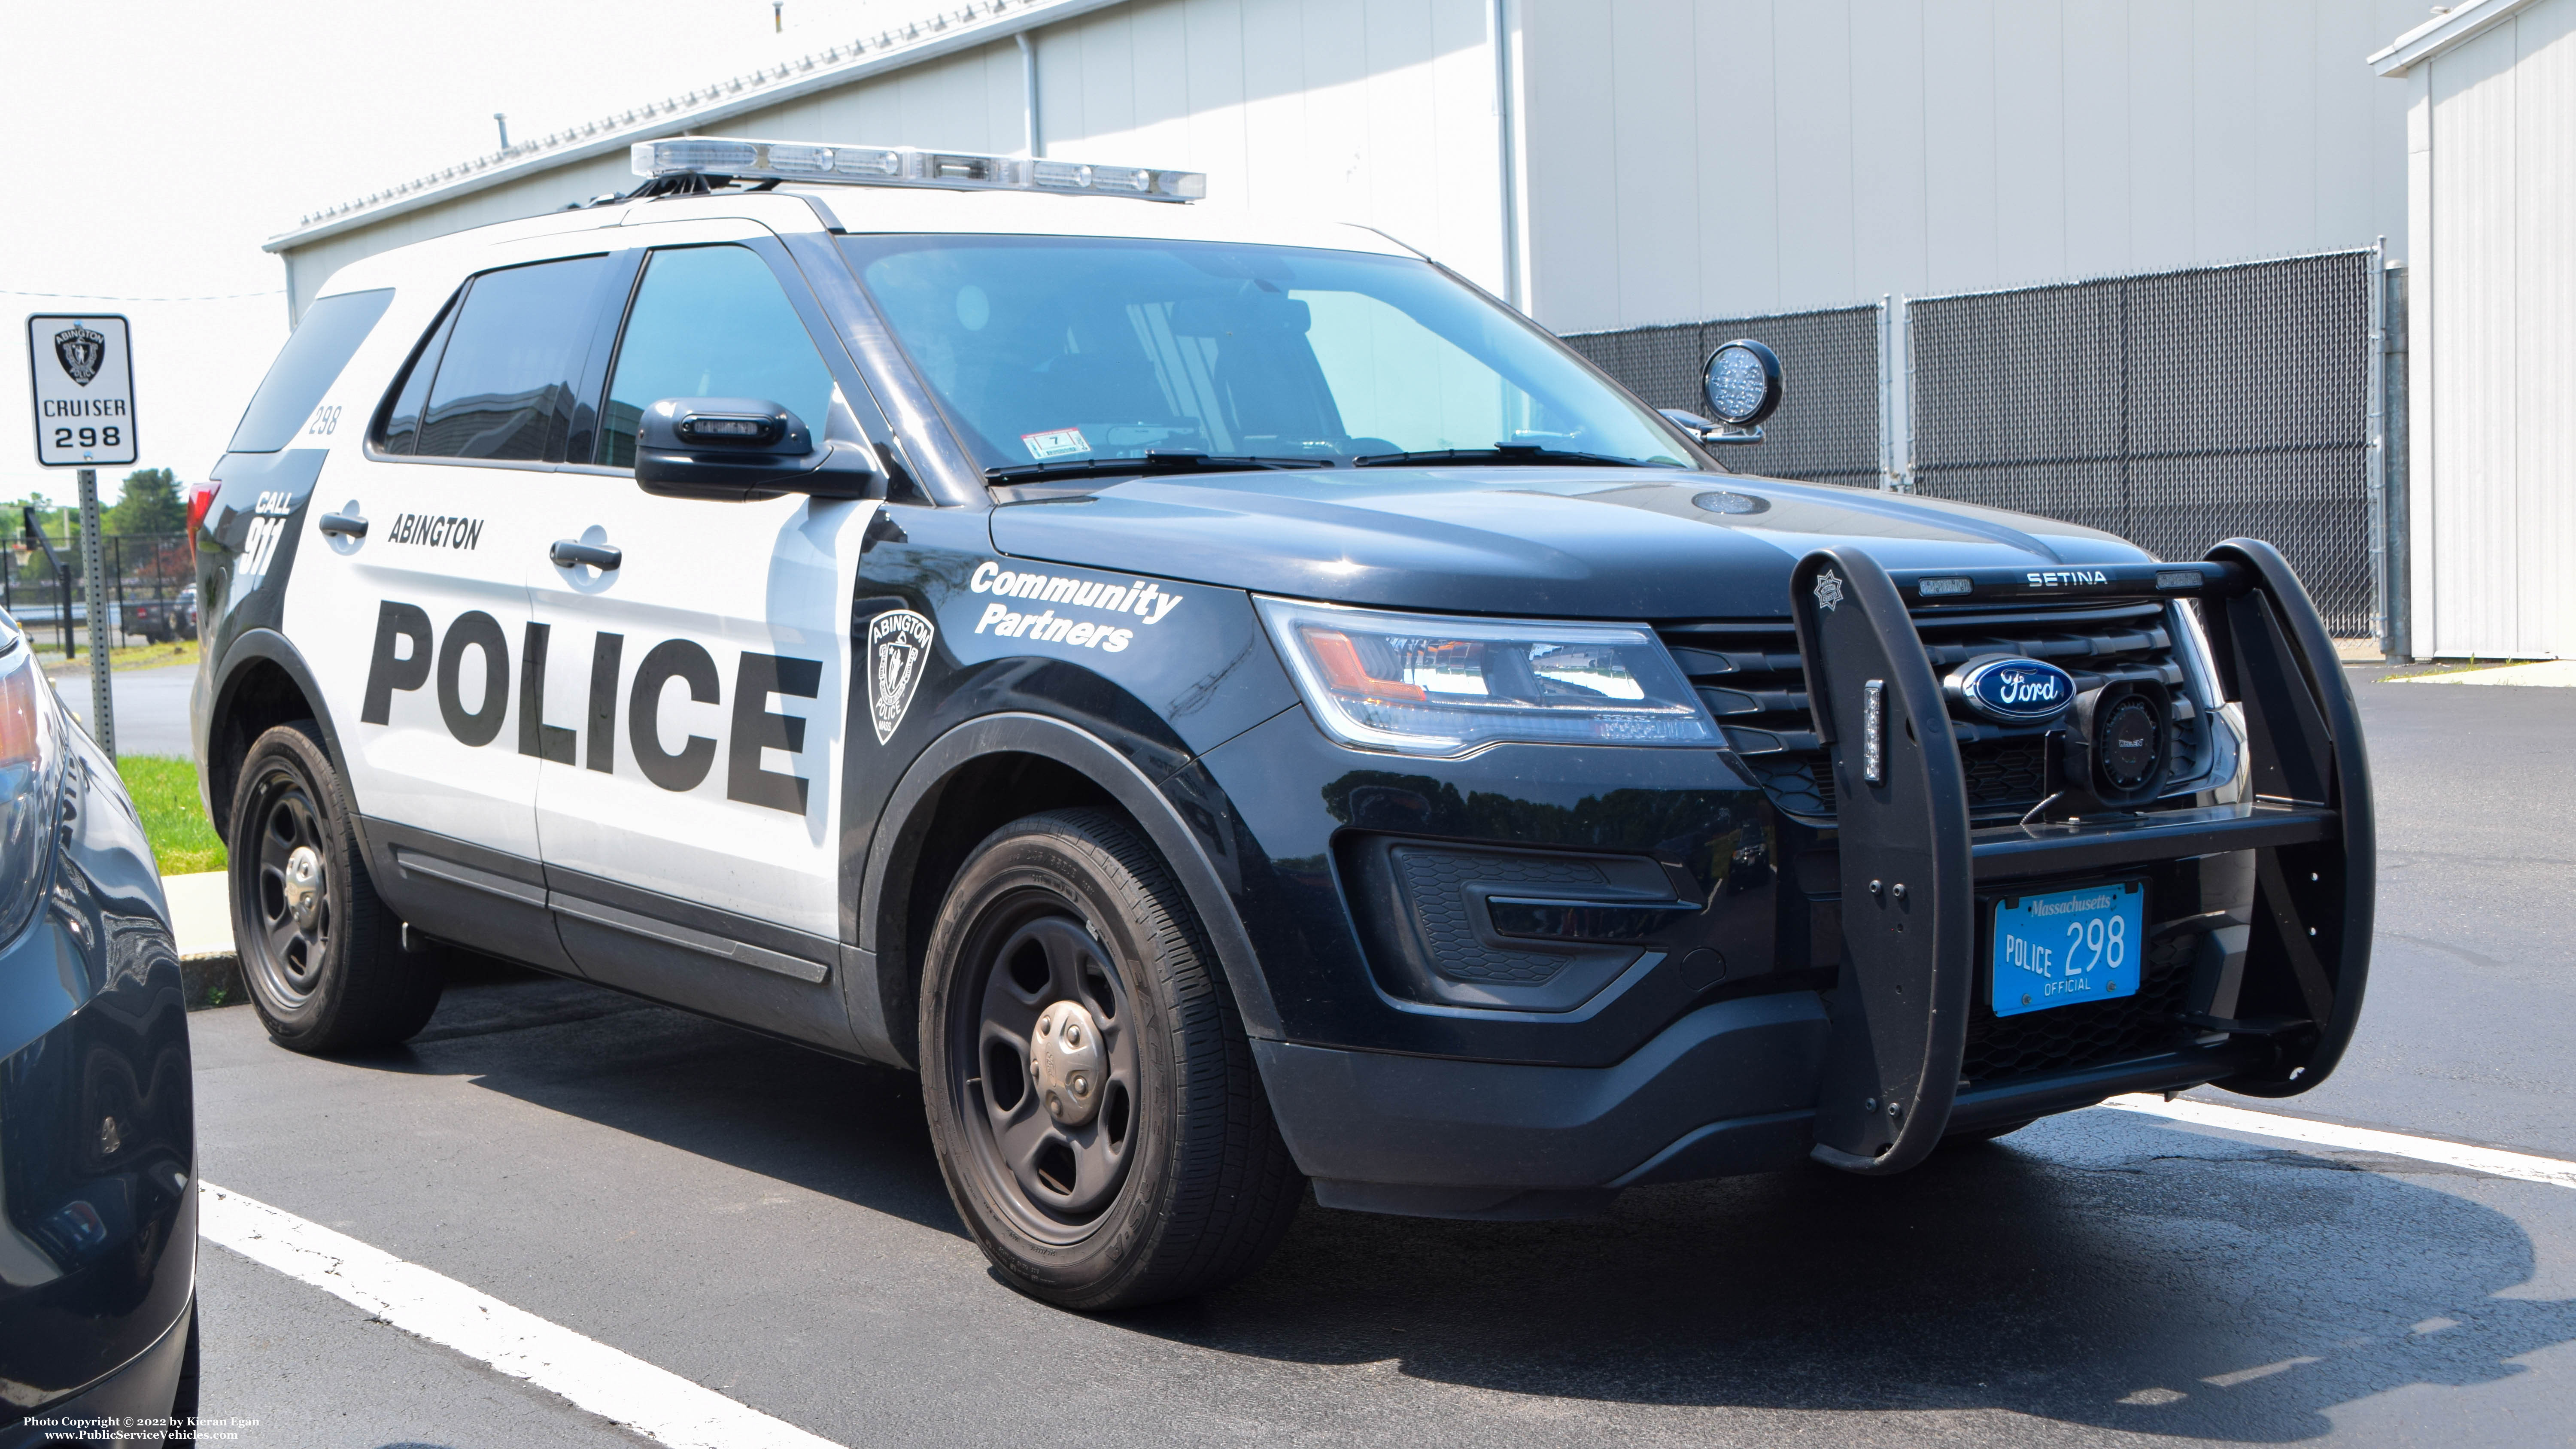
1233	706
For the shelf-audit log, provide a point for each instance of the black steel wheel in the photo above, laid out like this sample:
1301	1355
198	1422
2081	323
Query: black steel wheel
1090	1091
320	955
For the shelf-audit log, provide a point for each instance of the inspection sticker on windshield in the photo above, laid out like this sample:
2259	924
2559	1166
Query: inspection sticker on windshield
1062	443
2068	946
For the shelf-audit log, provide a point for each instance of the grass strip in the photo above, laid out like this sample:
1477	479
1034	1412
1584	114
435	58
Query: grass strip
165	791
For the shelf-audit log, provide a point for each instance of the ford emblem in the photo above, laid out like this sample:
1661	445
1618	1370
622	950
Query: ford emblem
2011	690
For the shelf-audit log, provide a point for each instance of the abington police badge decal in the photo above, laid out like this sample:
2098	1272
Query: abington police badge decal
80	351
898	648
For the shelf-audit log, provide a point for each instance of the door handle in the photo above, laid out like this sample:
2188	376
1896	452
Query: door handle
571	552
349	525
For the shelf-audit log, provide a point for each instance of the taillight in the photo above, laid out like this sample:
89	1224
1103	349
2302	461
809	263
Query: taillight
200	498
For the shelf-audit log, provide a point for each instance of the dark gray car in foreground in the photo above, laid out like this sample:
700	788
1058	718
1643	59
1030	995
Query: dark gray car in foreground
98	1191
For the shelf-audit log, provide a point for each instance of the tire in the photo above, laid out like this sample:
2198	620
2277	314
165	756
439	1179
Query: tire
1177	1182
336	980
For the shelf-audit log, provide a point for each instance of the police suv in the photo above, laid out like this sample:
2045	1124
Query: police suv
1232	705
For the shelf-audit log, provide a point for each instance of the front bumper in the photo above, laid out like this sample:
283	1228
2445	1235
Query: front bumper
145	1389
1729	1089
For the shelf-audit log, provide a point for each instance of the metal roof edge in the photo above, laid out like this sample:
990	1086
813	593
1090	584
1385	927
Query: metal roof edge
2460	23
965	36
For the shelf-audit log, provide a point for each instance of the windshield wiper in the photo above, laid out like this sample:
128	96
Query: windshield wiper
1502	454
1154	461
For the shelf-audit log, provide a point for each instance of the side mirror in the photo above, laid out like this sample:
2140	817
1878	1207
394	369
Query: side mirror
733	450
1742	386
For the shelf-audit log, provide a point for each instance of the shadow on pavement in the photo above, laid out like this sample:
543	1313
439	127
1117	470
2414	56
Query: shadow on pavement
841	1128
2102	1270
2187	1286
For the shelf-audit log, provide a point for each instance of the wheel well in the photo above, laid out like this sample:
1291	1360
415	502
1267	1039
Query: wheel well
983	795
262	697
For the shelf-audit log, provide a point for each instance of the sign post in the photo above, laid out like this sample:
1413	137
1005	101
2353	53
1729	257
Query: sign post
102	696
82	368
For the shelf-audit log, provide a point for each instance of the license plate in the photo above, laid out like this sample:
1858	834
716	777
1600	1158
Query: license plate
2068	946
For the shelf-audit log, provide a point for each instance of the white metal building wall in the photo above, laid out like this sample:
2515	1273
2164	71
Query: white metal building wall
2492	147
1711	158
1376	111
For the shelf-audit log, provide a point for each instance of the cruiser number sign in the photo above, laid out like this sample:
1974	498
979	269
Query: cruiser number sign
83	372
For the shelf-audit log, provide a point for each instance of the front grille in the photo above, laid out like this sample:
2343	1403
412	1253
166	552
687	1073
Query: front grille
1751	678
2064	1038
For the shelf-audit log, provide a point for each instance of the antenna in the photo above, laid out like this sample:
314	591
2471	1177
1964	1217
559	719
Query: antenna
778	15
502	119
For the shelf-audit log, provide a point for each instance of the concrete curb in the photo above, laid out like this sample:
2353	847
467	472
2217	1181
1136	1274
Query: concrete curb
201	922
211	981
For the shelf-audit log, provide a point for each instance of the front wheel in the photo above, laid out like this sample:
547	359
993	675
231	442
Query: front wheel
321	955
1091	1094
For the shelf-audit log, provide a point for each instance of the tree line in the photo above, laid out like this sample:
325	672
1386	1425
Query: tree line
149	503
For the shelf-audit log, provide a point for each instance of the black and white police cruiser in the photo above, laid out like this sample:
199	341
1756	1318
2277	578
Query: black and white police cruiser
1233	706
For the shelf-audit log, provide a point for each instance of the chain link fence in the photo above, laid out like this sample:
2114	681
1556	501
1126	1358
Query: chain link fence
146	574
1827	428
2174	409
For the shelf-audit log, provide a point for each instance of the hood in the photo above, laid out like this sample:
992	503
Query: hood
1615	543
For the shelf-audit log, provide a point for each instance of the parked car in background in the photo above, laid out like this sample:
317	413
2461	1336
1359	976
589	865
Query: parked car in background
98	1190
161	620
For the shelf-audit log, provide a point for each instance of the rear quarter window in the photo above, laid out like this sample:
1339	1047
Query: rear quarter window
320	346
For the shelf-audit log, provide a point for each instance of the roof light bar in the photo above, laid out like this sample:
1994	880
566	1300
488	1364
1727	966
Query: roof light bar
906	166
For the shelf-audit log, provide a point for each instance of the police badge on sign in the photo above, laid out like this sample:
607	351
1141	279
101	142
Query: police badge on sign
898	647
80	351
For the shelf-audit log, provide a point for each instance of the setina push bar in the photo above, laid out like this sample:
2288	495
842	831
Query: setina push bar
1912	867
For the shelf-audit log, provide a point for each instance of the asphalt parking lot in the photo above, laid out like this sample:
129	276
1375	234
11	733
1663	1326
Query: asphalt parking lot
769	1223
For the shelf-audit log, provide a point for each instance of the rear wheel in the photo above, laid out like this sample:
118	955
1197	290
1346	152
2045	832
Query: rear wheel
1091	1094
320	954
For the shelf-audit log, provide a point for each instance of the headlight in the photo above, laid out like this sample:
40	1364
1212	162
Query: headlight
30	766
1421	684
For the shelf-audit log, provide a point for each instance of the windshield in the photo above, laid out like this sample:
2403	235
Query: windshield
1071	351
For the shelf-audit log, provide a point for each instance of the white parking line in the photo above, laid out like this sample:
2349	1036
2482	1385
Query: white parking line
2496	1162
616	1386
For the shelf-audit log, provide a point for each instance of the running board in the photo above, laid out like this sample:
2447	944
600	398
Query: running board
1911	864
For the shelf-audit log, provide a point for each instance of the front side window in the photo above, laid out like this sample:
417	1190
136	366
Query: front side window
1053	350
503	386
711	322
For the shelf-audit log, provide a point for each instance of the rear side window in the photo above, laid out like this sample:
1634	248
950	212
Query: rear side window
501	379
320	346
711	322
